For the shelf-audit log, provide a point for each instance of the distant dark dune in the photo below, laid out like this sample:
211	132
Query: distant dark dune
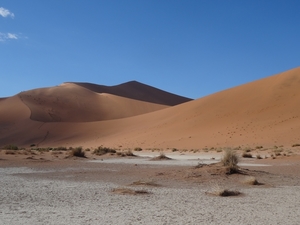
138	91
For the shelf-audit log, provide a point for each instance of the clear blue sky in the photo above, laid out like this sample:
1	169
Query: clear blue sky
189	47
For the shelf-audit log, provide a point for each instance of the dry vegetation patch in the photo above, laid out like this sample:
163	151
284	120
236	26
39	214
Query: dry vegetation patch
246	155
161	156
128	191
250	180
104	150
230	160
144	183
78	152
222	192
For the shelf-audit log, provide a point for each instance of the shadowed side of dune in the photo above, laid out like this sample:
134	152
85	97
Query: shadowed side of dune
138	91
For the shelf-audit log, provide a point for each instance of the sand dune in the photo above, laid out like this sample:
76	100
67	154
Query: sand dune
12	110
263	112
138	91
72	103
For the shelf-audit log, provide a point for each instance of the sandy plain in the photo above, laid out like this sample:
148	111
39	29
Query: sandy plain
47	188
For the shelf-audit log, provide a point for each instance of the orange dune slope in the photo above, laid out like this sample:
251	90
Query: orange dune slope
72	103
263	112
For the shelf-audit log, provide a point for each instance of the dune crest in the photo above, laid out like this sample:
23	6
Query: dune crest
137	91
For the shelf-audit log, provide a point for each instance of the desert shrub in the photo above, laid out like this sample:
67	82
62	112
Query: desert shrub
42	149
250	180
227	193
103	150
138	149
78	152
145	183
61	148
246	155
10	152
259	147
126	153
295	145
230	159
174	150
129	153
11	147
258	156
277	152
223	192
247	149
128	191
161	156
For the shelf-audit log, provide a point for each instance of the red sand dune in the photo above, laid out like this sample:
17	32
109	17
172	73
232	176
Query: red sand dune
264	112
72	103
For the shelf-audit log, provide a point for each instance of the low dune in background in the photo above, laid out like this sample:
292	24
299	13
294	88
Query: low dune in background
264	112
72	103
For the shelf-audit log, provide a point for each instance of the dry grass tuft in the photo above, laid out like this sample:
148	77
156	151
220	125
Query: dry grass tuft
128	191
250	180
161	156
258	156
222	192
246	155
78	152
10	152
145	183
230	159
103	150
128	153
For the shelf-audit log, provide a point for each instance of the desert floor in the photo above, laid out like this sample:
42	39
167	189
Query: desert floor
47	188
